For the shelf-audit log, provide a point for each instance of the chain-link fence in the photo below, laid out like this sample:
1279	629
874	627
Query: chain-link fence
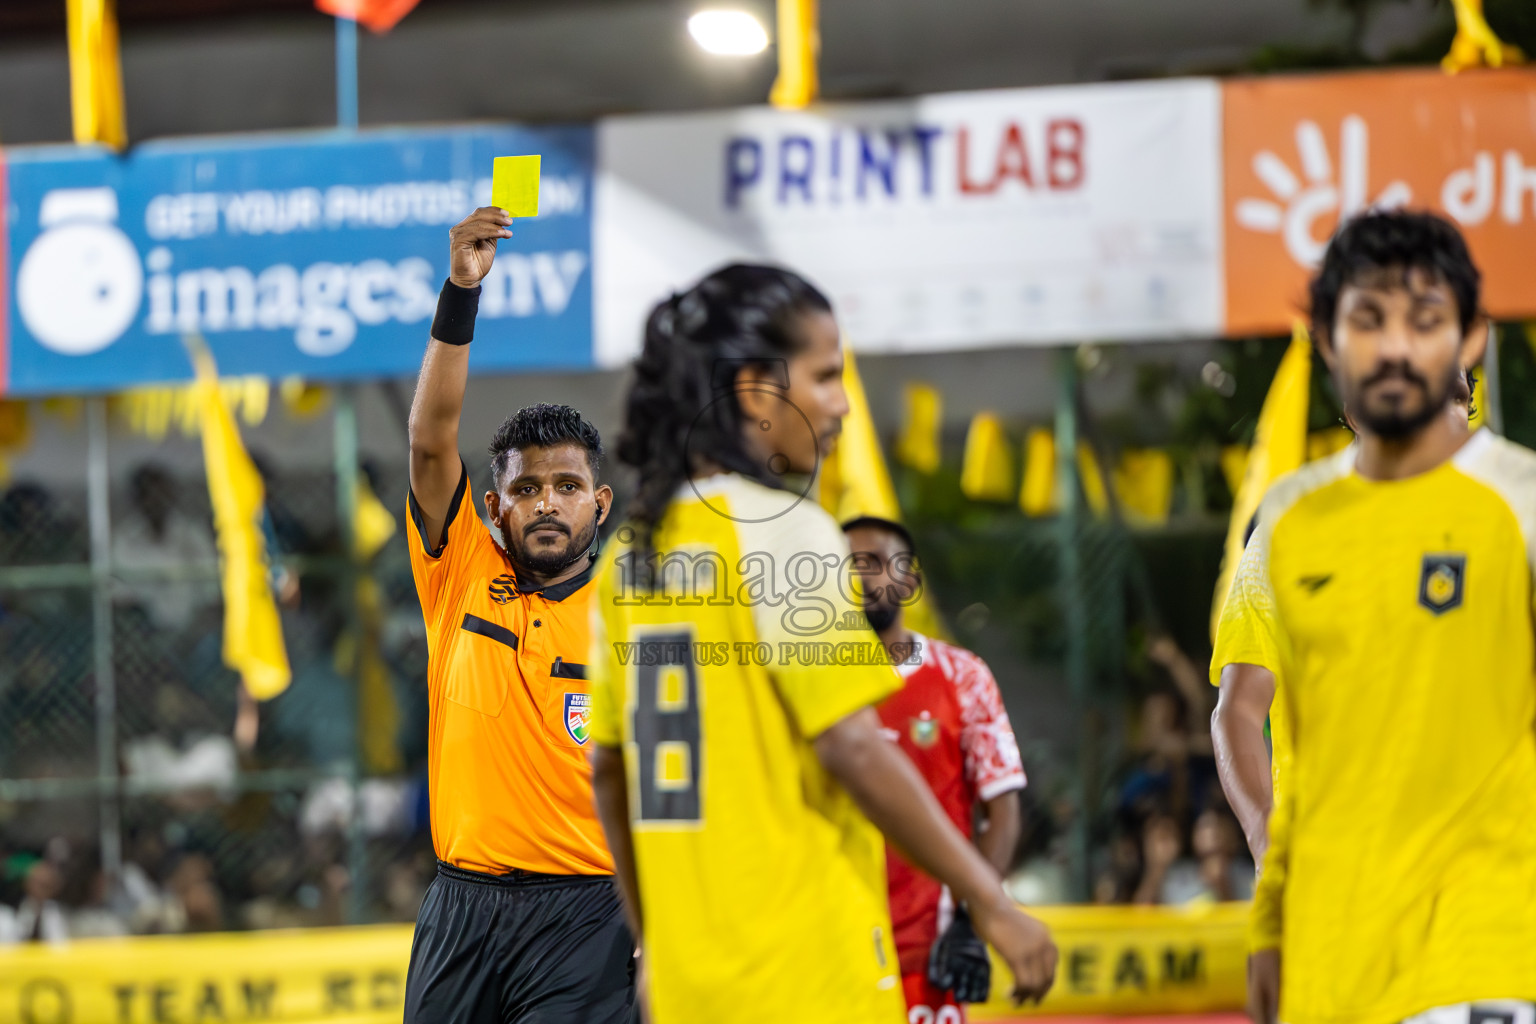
140	790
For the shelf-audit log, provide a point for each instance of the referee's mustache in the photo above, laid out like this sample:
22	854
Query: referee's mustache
546	523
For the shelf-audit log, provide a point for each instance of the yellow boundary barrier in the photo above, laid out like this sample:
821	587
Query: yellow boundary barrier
1118	960
1113	960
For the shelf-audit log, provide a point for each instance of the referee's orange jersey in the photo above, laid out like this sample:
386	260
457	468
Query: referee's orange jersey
509	781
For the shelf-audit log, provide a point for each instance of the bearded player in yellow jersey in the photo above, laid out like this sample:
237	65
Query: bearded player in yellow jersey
1389	595
739	770
1246	704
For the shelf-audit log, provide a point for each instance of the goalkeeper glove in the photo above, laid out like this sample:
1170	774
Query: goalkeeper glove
959	963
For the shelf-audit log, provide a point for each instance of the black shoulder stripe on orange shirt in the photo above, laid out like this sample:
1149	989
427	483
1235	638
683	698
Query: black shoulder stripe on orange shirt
487	628
419	517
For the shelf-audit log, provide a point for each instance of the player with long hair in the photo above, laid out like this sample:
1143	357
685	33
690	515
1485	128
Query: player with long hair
740	772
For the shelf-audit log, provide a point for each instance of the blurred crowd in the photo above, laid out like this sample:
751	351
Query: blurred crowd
232	817
1171	839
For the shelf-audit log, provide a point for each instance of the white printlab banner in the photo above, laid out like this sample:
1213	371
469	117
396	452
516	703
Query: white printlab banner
1029	216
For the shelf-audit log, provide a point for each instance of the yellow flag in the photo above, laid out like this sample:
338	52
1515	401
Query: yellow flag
1475	45
373	524
987	472
1093	479
301	399
1279	446
799	44
378	711
854	482
1037	495
253	633
1144	485
921	426
95	74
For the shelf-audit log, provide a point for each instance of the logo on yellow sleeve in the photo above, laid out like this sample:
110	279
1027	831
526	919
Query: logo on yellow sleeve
1442	580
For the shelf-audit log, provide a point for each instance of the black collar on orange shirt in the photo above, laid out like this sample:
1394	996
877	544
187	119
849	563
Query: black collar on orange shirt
564	589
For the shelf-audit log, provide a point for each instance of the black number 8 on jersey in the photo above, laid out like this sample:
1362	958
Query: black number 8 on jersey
667	732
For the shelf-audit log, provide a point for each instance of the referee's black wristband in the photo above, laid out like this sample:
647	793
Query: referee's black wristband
456	309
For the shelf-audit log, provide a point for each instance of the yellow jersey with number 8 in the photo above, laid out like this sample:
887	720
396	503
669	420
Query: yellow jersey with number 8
763	886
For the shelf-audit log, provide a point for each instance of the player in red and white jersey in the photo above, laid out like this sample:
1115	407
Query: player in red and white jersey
949	719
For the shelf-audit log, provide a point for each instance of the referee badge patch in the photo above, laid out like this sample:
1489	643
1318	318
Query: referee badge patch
578	716
1442	579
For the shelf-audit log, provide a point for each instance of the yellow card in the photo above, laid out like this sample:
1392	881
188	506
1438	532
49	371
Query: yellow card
515	185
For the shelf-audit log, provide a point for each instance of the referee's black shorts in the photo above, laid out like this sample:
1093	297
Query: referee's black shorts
520	949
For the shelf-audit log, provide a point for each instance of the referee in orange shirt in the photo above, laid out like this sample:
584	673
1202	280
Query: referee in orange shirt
522	923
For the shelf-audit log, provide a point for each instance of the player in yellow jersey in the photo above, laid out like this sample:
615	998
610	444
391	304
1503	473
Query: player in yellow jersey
739	770
1388	593
1247	698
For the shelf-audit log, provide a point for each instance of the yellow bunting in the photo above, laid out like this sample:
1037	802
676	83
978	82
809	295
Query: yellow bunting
1093	480
15	424
301	399
253	634
255	399
854	482
95	73
68	408
1037	496
799	45
1279	446
148	411
922	423
515	185
987	472
378	710
1144	485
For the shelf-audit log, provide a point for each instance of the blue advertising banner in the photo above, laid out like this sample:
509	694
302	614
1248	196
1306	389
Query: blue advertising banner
319	256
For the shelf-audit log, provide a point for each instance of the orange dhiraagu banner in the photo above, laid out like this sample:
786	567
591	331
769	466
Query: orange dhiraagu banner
1299	152
1113	960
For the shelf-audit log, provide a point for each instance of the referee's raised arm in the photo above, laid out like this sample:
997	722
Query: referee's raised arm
434	425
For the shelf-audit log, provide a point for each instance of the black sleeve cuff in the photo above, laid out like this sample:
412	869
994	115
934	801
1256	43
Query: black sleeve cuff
420	519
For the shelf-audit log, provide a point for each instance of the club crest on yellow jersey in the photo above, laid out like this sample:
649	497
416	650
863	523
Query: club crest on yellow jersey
1442	579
